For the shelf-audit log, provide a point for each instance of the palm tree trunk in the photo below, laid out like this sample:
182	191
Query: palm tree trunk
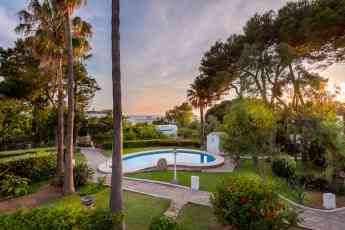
68	178
60	131
116	200
202	128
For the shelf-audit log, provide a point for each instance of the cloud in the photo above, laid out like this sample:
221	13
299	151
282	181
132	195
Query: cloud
176	35
8	22
162	42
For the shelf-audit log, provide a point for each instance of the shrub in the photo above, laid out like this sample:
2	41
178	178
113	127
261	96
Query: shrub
13	153
164	223
101	181
311	182
90	189
82	173
36	167
284	166
153	143
61	219
100	219
12	185
249	204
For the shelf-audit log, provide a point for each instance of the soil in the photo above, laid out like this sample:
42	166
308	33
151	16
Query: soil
315	200
46	193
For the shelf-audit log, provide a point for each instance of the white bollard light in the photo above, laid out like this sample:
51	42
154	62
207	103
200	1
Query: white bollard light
329	201
194	183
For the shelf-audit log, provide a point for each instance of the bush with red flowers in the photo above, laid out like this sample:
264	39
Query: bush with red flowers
245	203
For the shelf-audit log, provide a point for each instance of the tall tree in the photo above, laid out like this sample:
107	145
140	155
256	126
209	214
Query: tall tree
201	95
116	198
67	8
181	114
42	24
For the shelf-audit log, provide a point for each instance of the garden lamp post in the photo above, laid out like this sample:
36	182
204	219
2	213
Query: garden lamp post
175	168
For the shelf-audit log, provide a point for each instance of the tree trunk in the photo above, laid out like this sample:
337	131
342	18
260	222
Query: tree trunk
202	128
75	129
60	131
68	178
116	199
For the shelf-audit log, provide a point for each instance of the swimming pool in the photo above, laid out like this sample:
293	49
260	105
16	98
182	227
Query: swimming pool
148	159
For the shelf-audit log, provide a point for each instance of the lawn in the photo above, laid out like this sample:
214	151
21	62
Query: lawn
6	156
197	217
18	152
139	209
210	181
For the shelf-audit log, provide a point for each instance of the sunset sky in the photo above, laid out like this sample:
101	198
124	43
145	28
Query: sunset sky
162	42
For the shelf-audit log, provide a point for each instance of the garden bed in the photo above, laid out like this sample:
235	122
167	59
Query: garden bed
314	200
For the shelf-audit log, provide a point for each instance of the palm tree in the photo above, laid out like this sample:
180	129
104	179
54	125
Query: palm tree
67	7
44	26
116	200
44	30
201	95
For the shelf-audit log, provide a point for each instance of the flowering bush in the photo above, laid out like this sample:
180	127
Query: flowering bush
250	204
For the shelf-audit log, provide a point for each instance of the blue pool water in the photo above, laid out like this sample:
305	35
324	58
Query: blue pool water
149	159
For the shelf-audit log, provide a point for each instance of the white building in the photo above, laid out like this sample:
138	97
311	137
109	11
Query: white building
98	114
214	143
169	130
139	119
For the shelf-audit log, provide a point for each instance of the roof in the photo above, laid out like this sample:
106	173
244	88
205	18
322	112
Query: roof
217	133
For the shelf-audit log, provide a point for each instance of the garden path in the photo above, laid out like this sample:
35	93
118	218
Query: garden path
46	193
180	195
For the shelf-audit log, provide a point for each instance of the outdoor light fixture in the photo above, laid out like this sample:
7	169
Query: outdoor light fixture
175	181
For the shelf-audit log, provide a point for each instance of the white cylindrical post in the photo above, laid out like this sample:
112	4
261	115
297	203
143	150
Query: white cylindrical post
175	168
194	183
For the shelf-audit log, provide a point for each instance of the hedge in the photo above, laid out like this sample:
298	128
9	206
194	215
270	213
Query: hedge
156	143
61	219
37	167
12	153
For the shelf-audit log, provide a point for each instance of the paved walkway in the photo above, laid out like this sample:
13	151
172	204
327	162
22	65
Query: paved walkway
228	166
180	195
324	221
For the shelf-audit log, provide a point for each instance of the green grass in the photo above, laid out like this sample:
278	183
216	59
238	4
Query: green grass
25	151
24	156
197	217
34	187
210	181
139	209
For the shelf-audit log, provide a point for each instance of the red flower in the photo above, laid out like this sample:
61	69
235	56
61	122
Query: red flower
270	215
253	210
243	200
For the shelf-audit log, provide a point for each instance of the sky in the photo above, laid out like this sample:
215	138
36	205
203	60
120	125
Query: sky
162	43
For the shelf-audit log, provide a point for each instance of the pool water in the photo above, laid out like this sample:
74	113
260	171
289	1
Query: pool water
143	160
150	159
